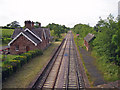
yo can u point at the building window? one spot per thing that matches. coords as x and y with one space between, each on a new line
17 48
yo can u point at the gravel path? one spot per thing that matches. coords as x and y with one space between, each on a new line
95 74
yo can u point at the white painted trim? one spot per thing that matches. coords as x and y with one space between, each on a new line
44 33
23 35
30 39
14 39
33 34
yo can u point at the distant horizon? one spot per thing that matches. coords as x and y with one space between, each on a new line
58 23
63 12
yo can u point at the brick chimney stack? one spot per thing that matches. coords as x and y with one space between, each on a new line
32 24
28 24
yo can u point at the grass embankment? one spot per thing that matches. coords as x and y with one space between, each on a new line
26 74
6 36
7 32
109 70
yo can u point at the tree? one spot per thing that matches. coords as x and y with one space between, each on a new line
13 24
82 29
107 40
58 29
36 24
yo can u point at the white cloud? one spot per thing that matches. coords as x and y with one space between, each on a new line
68 12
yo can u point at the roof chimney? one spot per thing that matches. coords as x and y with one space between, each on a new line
28 24
32 24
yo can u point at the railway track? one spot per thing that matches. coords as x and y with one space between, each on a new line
63 70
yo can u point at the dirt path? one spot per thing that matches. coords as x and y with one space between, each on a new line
95 74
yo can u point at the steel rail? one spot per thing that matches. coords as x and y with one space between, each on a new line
59 65
45 72
78 72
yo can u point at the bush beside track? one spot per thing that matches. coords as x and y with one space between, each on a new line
12 66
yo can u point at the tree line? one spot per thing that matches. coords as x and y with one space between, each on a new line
57 30
106 42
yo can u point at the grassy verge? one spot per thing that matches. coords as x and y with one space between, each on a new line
26 74
6 32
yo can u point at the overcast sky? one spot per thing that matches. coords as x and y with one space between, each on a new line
64 12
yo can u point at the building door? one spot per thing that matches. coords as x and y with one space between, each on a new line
27 48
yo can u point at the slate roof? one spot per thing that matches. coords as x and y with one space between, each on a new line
35 37
89 37
16 32
47 31
36 31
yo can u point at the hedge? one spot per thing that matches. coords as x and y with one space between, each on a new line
11 66
6 71
23 59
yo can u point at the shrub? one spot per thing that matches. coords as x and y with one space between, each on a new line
6 40
28 56
7 69
23 59
11 66
57 39
15 64
32 54
38 52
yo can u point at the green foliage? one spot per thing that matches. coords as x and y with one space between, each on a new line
13 24
83 30
57 29
15 64
110 70
36 24
6 40
6 35
31 54
23 59
9 57
106 42
52 33
106 45
7 69
10 66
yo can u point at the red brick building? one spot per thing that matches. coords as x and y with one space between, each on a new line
87 40
30 38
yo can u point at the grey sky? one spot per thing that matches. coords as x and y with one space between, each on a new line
119 8
64 12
